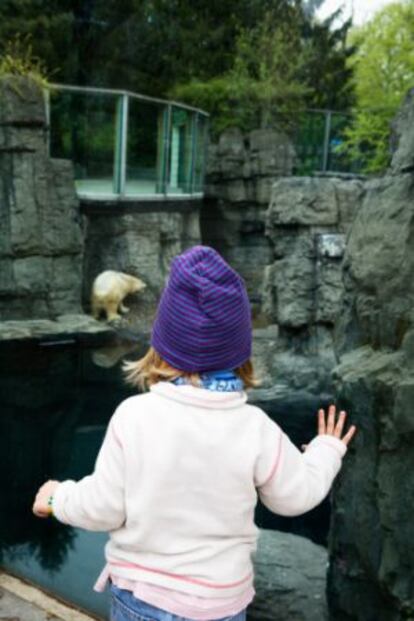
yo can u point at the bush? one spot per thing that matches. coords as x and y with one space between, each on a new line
17 59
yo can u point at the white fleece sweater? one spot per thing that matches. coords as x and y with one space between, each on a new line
176 484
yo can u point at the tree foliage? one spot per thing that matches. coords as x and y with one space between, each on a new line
383 66
287 61
327 69
250 62
145 45
262 87
17 59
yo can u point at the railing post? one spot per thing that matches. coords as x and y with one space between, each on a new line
205 153
121 141
167 134
326 140
194 138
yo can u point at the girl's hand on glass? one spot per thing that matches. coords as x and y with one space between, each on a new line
42 506
333 427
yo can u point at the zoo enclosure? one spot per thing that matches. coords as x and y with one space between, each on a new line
126 144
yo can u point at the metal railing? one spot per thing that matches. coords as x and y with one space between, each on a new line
318 142
127 145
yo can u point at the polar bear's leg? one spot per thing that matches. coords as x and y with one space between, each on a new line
111 307
123 309
96 308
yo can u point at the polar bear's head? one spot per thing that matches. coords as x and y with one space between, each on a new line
136 284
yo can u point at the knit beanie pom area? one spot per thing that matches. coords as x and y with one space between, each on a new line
203 321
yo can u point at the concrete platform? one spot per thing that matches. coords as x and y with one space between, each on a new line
20 601
65 328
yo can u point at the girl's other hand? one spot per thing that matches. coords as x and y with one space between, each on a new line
332 427
41 506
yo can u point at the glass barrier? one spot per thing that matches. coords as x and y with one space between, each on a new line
83 129
145 159
126 144
180 156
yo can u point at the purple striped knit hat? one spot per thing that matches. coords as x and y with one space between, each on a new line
203 321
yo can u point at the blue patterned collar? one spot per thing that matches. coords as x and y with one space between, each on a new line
220 381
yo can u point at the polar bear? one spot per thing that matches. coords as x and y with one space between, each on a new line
109 290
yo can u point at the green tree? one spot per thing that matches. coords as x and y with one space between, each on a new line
46 23
262 87
143 45
327 68
383 66
251 58
285 62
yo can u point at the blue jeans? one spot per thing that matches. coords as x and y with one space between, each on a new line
126 607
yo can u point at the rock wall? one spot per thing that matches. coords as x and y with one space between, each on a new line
306 224
240 173
286 236
371 574
41 239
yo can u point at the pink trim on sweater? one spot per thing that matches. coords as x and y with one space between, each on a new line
276 462
177 577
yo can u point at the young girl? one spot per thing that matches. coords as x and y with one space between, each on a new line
179 472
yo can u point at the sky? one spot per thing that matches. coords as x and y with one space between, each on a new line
363 10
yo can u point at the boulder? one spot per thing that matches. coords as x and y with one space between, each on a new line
303 201
289 579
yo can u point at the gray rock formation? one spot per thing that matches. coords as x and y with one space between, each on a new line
290 579
41 241
306 223
240 173
66 328
371 575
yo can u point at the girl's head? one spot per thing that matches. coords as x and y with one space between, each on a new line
203 322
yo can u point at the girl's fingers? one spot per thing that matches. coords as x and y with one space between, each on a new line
321 422
340 424
349 434
331 420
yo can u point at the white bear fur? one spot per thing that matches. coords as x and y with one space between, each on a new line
109 290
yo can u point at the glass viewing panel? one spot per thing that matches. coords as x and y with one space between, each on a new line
83 129
180 157
145 161
125 144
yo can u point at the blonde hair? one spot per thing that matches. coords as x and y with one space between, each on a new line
152 368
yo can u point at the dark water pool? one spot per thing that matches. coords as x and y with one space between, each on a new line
55 405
